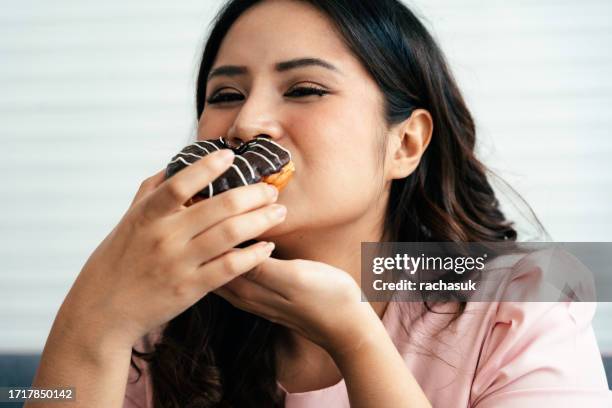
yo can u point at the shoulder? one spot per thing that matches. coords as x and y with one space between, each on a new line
543 273
515 353
541 351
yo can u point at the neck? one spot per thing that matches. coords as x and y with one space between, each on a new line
339 247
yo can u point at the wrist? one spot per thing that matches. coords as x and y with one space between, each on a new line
88 338
364 330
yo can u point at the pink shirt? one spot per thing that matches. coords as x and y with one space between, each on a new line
498 354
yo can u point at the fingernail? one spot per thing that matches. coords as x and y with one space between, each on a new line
271 191
279 210
265 246
269 247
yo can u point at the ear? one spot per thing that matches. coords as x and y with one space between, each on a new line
407 144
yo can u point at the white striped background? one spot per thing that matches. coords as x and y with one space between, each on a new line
96 96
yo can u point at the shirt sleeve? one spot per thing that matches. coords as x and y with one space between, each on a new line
136 390
540 354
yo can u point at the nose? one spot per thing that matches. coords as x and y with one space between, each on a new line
257 117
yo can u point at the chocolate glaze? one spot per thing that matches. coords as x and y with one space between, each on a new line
254 160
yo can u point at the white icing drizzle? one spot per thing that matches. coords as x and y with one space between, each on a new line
276 144
240 174
200 147
190 154
262 156
248 165
210 143
280 162
181 160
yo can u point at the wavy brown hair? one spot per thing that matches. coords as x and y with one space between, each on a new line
215 355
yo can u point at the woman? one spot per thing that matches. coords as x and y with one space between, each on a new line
383 146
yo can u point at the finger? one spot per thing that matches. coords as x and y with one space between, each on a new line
258 309
175 191
228 266
253 292
206 213
231 232
231 297
149 185
277 275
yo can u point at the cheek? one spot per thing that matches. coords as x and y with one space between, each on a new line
213 124
337 141
339 177
343 125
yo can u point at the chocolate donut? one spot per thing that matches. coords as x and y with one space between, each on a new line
260 159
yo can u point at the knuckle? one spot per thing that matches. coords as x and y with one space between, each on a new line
231 264
161 244
181 290
177 191
139 217
146 183
231 231
232 202
143 185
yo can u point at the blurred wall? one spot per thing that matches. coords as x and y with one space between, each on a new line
97 96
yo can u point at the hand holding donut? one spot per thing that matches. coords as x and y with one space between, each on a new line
163 256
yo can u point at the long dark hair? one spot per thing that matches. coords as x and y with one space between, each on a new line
214 355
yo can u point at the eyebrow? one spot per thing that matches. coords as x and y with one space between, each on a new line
236 70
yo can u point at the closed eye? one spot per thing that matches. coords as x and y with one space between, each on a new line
306 91
221 97
298 92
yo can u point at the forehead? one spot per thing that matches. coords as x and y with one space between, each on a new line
278 30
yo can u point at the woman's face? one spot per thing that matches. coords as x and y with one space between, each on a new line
294 79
